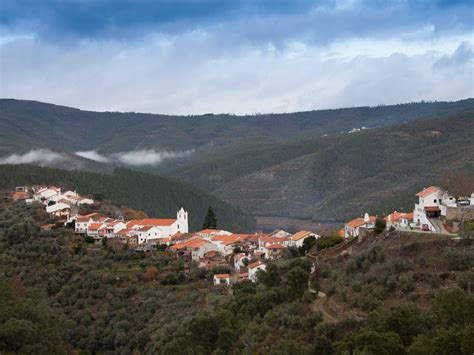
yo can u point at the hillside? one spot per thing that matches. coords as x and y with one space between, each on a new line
296 165
342 175
28 125
155 195
394 294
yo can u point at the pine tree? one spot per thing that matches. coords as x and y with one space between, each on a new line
210 222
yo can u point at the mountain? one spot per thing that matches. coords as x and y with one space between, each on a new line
341 175
300 165
28 125
155 195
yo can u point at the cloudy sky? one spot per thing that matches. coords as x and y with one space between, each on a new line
247 56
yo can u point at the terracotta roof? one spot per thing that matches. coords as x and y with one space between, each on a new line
195 243
255 264
258 252
123 231
94 226
409 216
432 209
132 223
222 276
341 232
19 195
357 222
428 191
395 216
229 239
300 235
157 222
210 231
275 246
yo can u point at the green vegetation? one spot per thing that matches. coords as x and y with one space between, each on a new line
155 195
394 295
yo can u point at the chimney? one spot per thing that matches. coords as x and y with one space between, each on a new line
366 218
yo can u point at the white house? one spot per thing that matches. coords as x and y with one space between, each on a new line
211 233
46 192
239 260
428 206
253 269
298 238
221 279
351 228
198 247
147 233
59 209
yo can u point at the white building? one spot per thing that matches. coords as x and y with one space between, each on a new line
221 279
351 229
253 269
298 238
428 206
59 209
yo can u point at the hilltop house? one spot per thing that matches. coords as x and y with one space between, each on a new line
221 279
197 247
351 228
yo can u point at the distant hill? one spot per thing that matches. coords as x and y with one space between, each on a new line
155 195
302 165
28 125
341 175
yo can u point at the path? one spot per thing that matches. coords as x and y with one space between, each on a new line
321 305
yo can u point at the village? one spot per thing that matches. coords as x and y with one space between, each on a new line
244 255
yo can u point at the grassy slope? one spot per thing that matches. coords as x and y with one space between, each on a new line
155 195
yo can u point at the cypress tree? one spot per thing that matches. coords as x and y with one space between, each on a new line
210 222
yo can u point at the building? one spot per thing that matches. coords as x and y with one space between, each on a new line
222 279
274 251
429 200
59 209
298 238
210 233
351 229
196 247
254 268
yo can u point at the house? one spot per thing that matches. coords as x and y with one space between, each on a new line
19 195
428 206
274 251
263 241
211 259
222 279
254 268
227 243
240 260
351 228
59 209
46 192
83 201
164 227
298 238
197 247
147 233
210 233
280 233
93 229
405 221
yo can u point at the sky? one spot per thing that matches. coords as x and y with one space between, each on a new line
229 56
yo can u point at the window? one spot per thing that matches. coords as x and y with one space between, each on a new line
434 200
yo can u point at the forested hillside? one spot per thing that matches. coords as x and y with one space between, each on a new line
155 195
341 175
395 294
301 165
31 125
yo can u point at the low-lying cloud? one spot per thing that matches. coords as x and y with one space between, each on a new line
36 156
149 156
93 155
135 157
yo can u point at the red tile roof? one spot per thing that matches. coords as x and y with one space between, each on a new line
432 209
222 276
428 191
94 226
357 222
195 243
229 239
157 222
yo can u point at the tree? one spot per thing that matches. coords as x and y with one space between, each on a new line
297 281
380 225
271 277
210 222
308 244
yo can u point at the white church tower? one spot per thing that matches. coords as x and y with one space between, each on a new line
182 217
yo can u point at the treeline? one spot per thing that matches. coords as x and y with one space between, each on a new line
155 195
